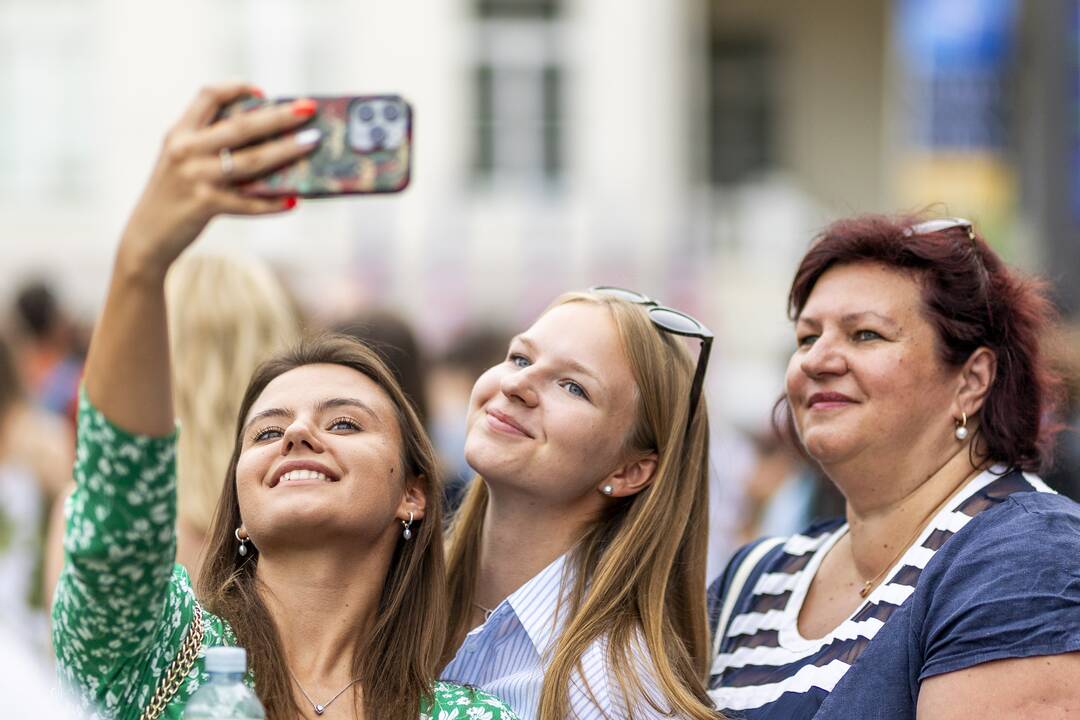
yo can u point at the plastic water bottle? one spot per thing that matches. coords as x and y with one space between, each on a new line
225 696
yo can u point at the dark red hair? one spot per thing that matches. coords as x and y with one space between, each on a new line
973 300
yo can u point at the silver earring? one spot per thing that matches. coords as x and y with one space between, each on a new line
407 534
242 551
607 489
961 431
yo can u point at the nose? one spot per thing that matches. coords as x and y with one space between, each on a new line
825 357
520 386
298 435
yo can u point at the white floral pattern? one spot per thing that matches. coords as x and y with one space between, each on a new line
122 606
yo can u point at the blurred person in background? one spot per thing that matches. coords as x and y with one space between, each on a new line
451 379
952 587
36 453
325 559
49 350
577 558
1065 474
389 335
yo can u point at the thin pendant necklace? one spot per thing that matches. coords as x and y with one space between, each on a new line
317 707
487 611
868 585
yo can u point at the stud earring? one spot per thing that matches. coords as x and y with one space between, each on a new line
961 431
407 534
242 551
607 490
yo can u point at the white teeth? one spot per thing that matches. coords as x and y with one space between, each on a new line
303 475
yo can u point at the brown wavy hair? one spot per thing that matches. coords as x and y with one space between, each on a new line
972 299
396 662
640 569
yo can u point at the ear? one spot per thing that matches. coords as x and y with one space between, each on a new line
414 499
976 378
632 478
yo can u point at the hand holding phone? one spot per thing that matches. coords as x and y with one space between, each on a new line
365 147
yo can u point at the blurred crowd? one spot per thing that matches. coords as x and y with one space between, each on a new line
228 313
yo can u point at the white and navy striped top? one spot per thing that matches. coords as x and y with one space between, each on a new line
766 669
507 655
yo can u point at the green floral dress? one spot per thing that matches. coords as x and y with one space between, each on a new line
123 607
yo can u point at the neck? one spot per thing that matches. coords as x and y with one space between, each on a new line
522 537
322 601
881 523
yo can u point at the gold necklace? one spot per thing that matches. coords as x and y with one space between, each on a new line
869 584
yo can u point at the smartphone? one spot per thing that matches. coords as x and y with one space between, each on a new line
366 147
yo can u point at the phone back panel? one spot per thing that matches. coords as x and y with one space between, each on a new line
365 148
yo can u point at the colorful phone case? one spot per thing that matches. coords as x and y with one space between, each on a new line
366 147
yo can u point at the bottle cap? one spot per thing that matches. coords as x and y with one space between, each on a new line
226 660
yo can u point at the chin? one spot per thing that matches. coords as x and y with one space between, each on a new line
827 448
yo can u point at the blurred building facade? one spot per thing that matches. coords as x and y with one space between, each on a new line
688 148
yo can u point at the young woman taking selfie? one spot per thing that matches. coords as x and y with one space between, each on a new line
325 558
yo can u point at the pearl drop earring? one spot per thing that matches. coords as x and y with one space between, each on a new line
961 431
242 551
407 534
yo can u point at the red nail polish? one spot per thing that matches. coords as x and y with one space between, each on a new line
257 93
289 202
304 108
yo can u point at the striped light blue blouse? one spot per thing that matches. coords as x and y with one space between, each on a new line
507 655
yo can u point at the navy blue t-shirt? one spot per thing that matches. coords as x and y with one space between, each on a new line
995 575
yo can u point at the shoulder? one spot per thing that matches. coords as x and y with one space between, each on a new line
469 703
1035 525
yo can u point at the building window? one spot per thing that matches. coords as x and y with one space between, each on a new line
742 109
518 86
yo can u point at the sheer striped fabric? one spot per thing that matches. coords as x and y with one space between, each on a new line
767 669
507 655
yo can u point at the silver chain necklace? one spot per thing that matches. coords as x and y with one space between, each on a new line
321 708
487 611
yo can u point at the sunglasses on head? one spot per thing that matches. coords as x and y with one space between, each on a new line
675 322
930 227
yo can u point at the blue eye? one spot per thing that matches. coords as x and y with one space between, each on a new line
806 340
519 360
867 335
574 389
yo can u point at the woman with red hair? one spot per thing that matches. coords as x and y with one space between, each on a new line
951 589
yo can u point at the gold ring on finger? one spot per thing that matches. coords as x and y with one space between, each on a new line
227 164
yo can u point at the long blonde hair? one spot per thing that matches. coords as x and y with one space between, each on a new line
226 315
396 661
641 567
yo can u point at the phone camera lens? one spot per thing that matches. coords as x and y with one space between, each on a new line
378 135
391 112
366 113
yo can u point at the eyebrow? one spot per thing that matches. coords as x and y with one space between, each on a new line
321 407
850 318
572 364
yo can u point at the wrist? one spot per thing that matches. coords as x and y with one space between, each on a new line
135 265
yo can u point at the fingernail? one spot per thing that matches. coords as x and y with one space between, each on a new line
304 108
289 202
257 92
309 136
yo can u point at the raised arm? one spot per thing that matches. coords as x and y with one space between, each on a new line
120 609
127 371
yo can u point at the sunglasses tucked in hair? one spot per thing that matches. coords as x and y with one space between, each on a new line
930 227
675 322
